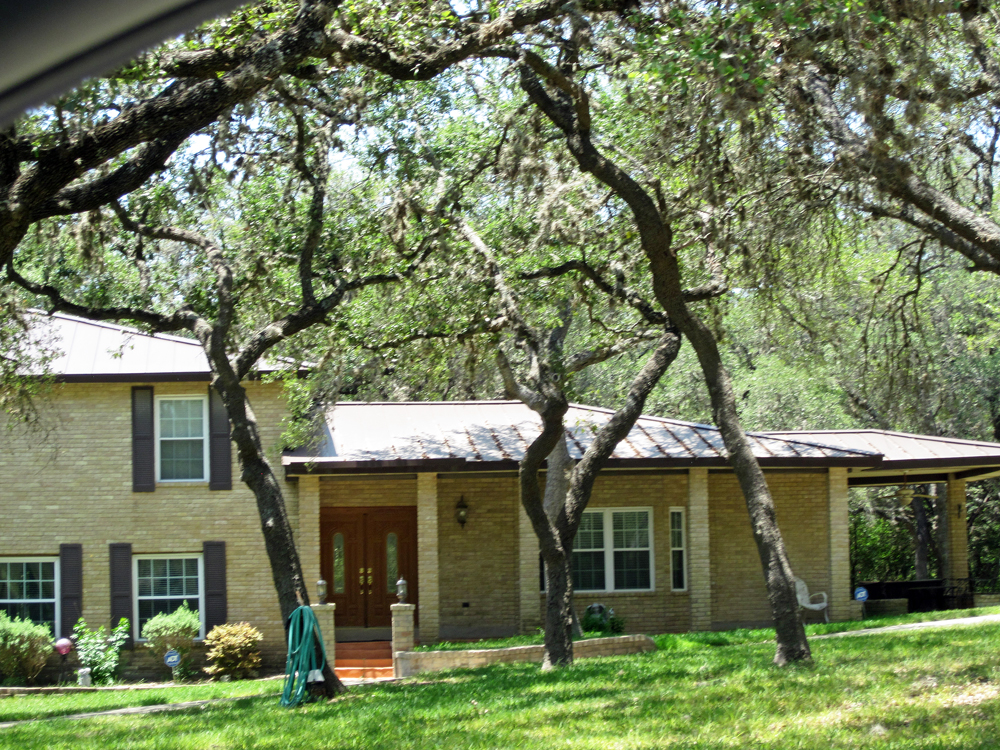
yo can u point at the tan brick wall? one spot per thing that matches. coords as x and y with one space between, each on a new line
699 560
74 485
428 558
801 504
661 610
479 563
957 535
841 605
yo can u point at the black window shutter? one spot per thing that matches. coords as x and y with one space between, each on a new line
121 585
143 453
214 562
220 451
70 587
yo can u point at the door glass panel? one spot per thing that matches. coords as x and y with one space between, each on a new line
392 561
339 577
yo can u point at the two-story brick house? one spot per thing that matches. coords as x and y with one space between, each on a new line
124 505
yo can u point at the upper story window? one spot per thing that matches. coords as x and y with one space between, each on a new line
28 588
181 439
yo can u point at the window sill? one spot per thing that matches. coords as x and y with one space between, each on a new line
183 483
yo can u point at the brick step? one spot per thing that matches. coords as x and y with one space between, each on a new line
363 673
365 650
362 663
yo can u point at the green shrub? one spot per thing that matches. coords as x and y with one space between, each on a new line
600 619
24 648
233 650
100 652
176 631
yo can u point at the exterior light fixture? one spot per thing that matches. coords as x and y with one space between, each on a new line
321 590
461 512
401 590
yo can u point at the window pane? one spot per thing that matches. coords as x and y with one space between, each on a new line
339 579
391 562
588 571
182 459
181 418
631 529
677 569
632 570
164 584
590 535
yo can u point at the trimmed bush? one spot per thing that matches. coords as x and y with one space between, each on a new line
98 651
176 631
24 648
600 619
233 650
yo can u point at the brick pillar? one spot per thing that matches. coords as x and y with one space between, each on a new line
402 632
699 563
428 573
957 535
307 539
325 617
529 574
841 604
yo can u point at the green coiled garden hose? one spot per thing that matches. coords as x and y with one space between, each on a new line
303 637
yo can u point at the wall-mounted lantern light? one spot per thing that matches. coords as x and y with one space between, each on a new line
461 512
401 590
321 590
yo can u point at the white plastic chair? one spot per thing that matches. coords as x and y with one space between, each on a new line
806 601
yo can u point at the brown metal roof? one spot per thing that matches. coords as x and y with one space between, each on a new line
909 457
494 434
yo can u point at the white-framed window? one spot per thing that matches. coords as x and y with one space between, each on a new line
613 550
29 589
181 438
678 550
163 582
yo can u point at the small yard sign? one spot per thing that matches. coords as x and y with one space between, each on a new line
861 594
171 658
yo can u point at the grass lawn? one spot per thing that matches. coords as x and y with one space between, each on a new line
920 689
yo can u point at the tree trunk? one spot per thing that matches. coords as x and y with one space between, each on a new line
558 610
256 472
921 539
656 239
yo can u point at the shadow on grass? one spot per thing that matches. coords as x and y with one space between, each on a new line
921 689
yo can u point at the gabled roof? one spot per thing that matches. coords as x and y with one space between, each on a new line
95 351
494 435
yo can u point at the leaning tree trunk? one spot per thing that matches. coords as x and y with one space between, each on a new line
569 110
558 609
256 473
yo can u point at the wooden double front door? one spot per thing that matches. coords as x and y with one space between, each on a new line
363 551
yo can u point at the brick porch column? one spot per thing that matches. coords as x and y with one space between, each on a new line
428 565
402 632
699 563
956 534
325 617
307 539
529 574
841 604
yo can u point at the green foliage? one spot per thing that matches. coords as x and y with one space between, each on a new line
175 631
233 650
880 550
99 651
600 619
24 649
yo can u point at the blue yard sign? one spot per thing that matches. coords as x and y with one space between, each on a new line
861 594
171 658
